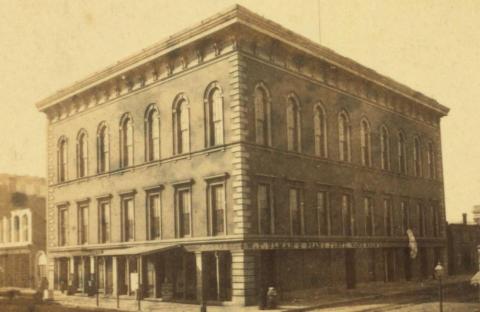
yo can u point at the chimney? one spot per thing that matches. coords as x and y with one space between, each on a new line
464 215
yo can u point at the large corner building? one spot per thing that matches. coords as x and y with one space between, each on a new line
238 155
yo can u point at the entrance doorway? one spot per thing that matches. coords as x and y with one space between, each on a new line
218 275
350 273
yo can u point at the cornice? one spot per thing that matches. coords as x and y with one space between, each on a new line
194 45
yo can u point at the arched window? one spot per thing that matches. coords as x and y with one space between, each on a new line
431 159
16 229
417 157
24 228
320 131
402 153
262 115
152 134
181 123
82 154
103 149
126 141
343 137
365 143
385 148
62 157
293 124
213 115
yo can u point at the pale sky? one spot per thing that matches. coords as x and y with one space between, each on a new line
432 46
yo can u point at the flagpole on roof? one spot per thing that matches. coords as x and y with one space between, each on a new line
319 11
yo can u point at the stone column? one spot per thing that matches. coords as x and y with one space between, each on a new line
200 277
243 277
71 272
115 276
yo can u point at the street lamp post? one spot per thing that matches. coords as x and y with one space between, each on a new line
439 271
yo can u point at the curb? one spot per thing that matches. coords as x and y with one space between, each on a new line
346 302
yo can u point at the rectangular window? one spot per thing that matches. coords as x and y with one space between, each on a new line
183 212
128 219
63 225
104 221
388 213
435 219
101 274
405 213
348 215
323 213
217 208
295 211
421 220
154 214
264 209
369 219
83 224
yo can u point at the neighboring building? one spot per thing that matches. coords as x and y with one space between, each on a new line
237 154
22 230
463 240
476 214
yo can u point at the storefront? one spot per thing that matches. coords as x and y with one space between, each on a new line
170 273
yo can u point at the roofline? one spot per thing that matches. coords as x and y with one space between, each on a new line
223 19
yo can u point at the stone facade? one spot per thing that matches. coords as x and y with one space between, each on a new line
256 67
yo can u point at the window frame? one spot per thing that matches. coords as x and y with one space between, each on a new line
388 217
327 214
417 157
127 150
62 159
269 187
405 215
344 137
300 198
365 143
385 148
369 214
185 186
150 145
104 200
296 128
125 222
178 131
402 153
63 215
82 154
149 194
265 121
211 211
320 139
431 161
212 138
103 148
350 209
82 235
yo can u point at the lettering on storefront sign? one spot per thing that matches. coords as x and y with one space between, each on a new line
310 245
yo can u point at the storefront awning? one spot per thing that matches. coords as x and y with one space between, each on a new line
475 280
139 250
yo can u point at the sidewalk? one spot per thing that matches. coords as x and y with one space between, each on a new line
296 301
335 297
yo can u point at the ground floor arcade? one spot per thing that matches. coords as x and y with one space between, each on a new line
235 275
